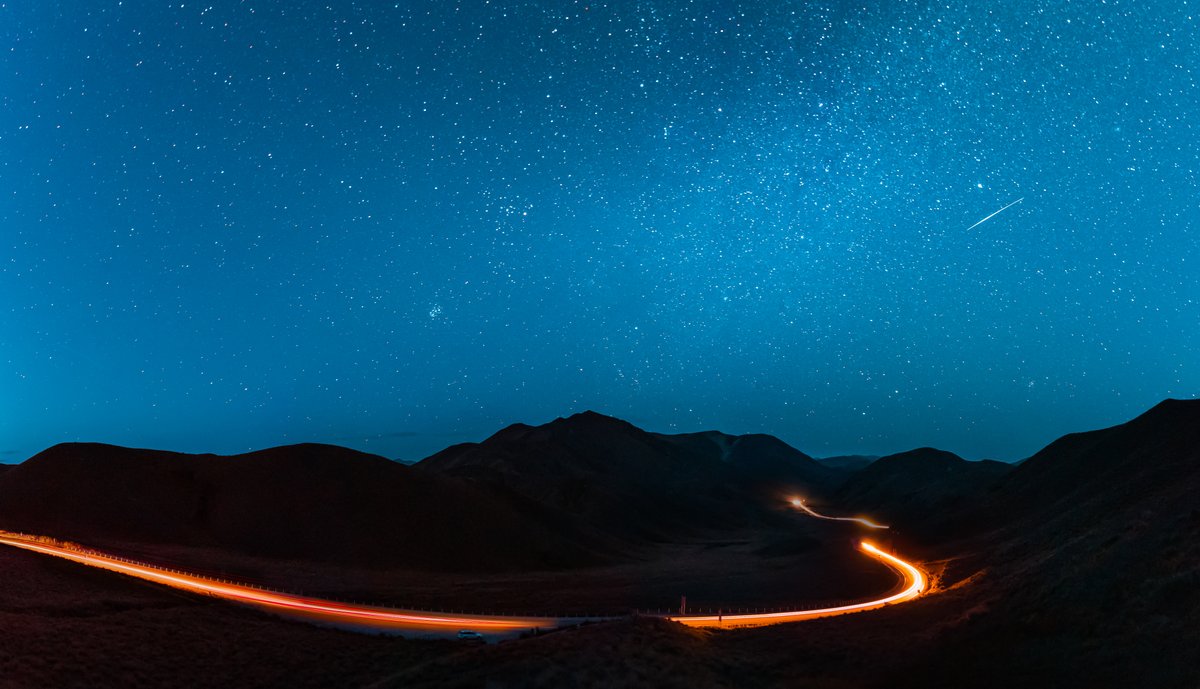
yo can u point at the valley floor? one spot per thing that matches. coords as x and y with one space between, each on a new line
811 565
63 625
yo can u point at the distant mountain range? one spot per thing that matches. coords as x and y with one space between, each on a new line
315 502
1079 566
627 483
924 489
573 492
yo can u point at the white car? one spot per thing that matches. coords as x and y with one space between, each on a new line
469 635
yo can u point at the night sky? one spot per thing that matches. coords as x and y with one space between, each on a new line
394 226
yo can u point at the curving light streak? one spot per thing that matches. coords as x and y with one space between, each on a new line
913 581
388 619
798 503
330 612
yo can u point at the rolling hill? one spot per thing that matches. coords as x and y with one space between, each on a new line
574 492
923 489
1088 558
628 483
315 502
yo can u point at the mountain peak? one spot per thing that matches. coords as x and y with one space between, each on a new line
920 487
1172 409
1162 441
591 414
622 480
592 418
590 422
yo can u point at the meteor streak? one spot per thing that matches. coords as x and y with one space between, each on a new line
994 214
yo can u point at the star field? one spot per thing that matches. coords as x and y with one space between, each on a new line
395 226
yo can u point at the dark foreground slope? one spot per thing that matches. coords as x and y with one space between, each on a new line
1084 572
1089 475
1091 573
70 627
313 502
623 481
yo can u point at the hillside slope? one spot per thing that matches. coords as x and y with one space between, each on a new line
315 502
923 488
623 481
1089 557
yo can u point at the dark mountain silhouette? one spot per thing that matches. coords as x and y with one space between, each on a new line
1089 563
573 492
315 502
755 458
923 489
1078 568
1108 469
848 462
1081 568
623 481
924 478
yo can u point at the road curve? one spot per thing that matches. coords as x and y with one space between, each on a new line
913 582
417 622
313 609
799 504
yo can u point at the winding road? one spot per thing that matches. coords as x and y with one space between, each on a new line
391 620
292 605
913 584
799 504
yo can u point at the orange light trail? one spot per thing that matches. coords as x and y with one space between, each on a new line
314 609
797 502
913 582
394 620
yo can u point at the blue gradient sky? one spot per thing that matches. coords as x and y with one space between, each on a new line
227 225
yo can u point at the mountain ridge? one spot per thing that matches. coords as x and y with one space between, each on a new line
575 491
308 501
628 482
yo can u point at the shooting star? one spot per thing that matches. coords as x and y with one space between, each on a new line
994 214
